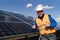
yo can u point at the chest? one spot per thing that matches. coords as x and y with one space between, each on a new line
43 21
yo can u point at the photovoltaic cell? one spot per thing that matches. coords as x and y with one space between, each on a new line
10 25
8 29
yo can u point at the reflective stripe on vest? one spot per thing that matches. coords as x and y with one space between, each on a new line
40 23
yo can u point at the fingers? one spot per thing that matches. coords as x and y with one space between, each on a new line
46 24
33 26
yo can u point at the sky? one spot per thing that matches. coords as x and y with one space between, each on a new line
27 7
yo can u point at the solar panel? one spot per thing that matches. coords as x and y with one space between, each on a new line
9 25
2 18
4 13
22 17
8 19
8 29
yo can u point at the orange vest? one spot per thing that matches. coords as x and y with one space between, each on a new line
40 23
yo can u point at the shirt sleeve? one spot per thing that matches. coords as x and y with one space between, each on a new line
53 23
34 23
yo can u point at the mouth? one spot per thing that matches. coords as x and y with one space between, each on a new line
39 14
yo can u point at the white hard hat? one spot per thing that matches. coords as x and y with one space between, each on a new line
38 8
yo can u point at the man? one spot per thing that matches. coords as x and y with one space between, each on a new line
45 24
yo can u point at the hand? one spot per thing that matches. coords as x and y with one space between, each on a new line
33 26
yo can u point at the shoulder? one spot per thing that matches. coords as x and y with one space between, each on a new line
36 18
48 15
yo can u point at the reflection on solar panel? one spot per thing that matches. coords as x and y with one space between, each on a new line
10 25
22 17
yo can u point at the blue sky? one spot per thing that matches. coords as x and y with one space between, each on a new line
19 6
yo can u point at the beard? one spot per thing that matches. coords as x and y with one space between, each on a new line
41 16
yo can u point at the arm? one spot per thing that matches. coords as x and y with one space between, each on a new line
34 25
53 23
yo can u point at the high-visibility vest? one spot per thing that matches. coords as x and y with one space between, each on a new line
42 28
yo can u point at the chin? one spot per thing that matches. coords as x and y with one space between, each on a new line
40 15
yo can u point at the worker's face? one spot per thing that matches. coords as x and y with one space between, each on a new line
40 13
